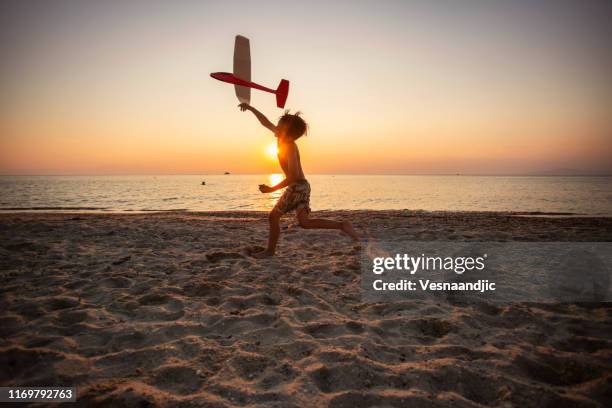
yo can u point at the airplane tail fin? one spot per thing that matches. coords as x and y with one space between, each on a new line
281 93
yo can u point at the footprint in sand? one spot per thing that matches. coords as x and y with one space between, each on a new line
154 299
253 249
177 379
203 289
248 366
220 255
72 317
61 302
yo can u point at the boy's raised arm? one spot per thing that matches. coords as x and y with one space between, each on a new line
260 116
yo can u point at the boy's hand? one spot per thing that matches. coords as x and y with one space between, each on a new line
244 106
265 189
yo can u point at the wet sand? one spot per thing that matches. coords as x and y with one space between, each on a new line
169 309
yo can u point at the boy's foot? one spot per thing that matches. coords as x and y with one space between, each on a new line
263 254
347 228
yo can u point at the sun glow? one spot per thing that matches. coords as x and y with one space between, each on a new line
275 178
272 150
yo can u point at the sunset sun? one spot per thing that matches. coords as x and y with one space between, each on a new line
272 150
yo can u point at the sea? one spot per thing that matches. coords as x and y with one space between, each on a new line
531 194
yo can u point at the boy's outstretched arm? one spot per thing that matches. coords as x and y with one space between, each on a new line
260 116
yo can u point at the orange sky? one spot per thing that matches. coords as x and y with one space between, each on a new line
401 88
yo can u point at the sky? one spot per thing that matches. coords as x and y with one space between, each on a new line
387 87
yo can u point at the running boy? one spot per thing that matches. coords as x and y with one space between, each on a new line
289 128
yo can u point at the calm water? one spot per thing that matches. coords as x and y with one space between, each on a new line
582 195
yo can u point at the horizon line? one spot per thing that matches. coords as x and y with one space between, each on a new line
527 174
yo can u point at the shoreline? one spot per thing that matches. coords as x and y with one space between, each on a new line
91 211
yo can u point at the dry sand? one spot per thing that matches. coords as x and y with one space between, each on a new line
168 309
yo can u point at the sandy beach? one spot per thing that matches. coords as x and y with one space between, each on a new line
169 310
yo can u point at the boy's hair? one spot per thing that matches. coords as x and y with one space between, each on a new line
296 126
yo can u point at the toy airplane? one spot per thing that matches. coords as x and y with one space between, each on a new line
241 78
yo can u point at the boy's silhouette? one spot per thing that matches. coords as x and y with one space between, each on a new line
289 128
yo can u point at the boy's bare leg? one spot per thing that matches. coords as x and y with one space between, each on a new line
319 223
274 222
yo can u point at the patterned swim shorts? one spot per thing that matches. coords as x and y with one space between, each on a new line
295 197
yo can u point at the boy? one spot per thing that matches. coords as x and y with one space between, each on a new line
297 195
